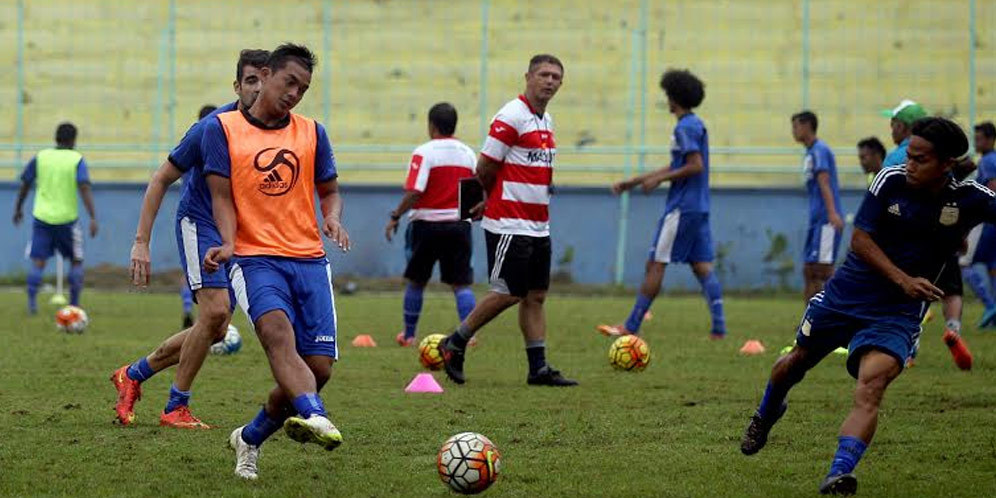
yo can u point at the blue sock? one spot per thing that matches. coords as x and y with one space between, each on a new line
75 283
188 299
849 451
771 402
536 354
177 398
34 282
639 310
465 302
309 404
261 428
140 370
713 293
412 308
978 285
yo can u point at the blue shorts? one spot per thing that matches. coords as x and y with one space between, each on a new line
981 242
682 238
822 330
46 239
301 288
193 239
822 244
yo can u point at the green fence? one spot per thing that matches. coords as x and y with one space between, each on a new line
132 74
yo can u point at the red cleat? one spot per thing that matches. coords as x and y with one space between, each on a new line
129 391
959 350
181 418
404 341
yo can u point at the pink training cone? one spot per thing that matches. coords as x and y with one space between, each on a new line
424 383
752 347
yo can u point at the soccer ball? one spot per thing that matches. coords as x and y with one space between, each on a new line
428 352
231 344
71 319
629 352
468 463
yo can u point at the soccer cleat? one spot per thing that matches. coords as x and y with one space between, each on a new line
547 376
959 350
246 456
717 336
452 361
315 429
404 341
840 484
756 435
181 418
988 319
613 330
129 391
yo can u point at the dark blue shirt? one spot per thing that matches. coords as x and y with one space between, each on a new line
917 230
689 194
820 159
195 201
987 168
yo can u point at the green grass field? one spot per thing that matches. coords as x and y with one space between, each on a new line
672 430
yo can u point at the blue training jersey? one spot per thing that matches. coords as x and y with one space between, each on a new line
919 233
820 159
195 201
987 168
689 194
898 155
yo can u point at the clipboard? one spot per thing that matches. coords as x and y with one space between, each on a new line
470 194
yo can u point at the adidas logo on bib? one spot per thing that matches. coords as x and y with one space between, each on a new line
894 209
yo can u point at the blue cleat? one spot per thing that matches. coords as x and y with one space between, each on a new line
988 319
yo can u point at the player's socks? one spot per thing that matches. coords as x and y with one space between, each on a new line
309 404
713 293
978 285
536 354
639 312
460 337
140 371
75 283
188 299
412 308
465 302
849 451
261 428
954 325
177 398
34 282
771 402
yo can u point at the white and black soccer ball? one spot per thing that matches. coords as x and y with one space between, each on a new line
468 463
231 344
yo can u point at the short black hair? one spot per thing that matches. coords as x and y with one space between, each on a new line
206 110
545 58
291 52
948 139
986 129
683 87
874 144
65 133
251 57
444 117
808 117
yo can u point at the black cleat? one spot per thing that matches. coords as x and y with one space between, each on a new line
840 484
756 435
188 321
547 376
452 361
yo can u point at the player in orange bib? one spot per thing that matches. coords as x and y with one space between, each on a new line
264 165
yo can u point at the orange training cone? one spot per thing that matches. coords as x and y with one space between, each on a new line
751 348
364 341
424 383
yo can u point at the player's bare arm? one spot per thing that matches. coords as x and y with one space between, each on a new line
141 266
487 173
823 179
649 181
22 194
224 216
915 287
331 202
407 201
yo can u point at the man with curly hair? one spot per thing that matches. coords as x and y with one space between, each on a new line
683 234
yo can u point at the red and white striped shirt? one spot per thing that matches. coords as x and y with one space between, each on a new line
523 142
435 171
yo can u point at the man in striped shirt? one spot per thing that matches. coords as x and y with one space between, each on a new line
516 169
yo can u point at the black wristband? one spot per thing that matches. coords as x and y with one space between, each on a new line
395 217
